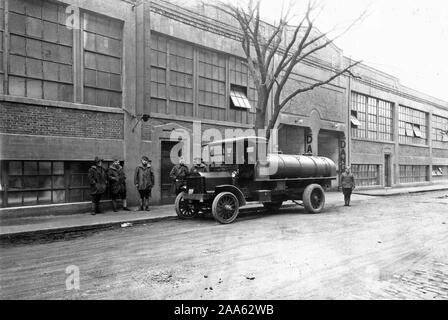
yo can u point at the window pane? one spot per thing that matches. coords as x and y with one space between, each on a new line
45 182
58 196
58 168
15 168
14 198
45 168
30 182
76 195
58 182
30 198
76 180
30 167
44 197
15 183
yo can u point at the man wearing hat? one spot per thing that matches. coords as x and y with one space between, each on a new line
144 181
98 182
117 183
347 184
178 174
199 166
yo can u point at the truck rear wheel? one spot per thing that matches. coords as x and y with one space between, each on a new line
272 206
225 207
313 198
184 210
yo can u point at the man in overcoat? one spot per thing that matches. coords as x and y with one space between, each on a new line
98 183
144 181
347 184
178 175
117 183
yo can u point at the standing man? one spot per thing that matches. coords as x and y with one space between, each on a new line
117 182
348 184
98 181
199 166
178 175
144 181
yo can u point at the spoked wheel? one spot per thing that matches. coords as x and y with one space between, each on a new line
225 207
313 198
272 206
184 210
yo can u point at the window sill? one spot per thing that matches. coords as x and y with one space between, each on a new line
58 104
375 141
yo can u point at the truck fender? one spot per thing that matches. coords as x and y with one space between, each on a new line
230 188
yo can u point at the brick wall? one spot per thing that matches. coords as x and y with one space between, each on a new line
50 121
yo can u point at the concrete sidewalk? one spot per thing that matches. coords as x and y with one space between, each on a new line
401 190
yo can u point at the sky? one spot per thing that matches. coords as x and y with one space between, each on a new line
405 38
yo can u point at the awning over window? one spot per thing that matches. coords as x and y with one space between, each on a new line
355 121
239 99
417 131
444 136
409 130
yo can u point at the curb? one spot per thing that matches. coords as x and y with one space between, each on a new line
398 193
82 228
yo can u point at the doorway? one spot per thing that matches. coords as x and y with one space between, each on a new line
166 165
387 176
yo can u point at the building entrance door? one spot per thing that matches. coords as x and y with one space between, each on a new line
387 180
166 165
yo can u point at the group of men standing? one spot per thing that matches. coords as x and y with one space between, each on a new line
115 178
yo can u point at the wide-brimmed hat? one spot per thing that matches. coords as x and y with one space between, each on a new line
145 158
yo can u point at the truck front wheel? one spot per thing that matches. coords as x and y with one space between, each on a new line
313 198
184 210
225 207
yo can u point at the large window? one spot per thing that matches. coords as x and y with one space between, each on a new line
102 39
42 50
2 31
40 57
371 118
34 182
158 73
366 174
211 84
413 173
181 78
26 183
439 132
182 74
412 126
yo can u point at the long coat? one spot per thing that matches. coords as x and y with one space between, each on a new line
117 179
178 175
98 179
347 181
143 178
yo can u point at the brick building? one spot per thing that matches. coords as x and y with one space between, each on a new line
68 94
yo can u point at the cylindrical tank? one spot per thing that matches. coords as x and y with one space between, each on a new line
283 166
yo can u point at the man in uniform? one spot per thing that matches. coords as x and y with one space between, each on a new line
199 166
144 181
177 175
348 184
98 182
117 182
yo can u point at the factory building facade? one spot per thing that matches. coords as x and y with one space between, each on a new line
78 76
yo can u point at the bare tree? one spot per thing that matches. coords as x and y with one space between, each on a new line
289 44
